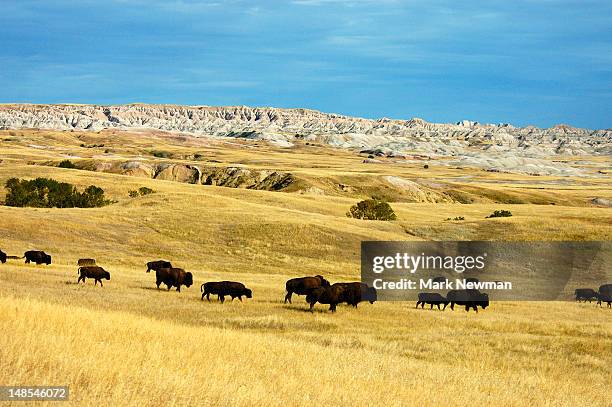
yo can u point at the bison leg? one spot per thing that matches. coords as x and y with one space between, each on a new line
208 296
288 297
27 261
158 283
178 288
452 306
101 285
81 278
312 304
222 298
240 298
431 304
417 304
332 307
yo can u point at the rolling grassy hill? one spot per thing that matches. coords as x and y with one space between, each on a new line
128 343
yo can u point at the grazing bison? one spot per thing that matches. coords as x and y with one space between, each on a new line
158 264
356 292
585 294
2 257
470 298
332 295
605 295
223 288
431 299
38 257
173 277
303 285
86 262
95 272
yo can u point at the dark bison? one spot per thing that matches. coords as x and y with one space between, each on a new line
158 264
332 295
95 272
431 299
173 277
2 257
470 298
223 288
585 294
356 292
36 256
86 262
605 295
303 285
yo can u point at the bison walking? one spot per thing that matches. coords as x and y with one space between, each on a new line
431 299
605 295
469 298
95 272
225 288
303 285
158 264
585 294
332 295
37 256
356 292
173 277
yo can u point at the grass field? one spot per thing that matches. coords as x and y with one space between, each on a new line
130 344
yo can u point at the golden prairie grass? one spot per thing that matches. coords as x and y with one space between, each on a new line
130 344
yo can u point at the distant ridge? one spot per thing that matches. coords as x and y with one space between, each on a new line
468 140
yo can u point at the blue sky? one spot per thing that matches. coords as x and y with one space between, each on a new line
539 62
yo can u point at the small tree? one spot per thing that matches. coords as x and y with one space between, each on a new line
372 209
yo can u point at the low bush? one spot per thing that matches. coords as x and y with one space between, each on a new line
372 209
66 164
49 193
142 191
500 214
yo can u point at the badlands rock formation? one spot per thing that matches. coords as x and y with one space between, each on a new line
494 147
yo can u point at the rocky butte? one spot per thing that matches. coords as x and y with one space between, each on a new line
500 147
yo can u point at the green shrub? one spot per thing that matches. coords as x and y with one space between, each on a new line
161 154
66 164
456 218
500 214
48 193
372 209
142 191
145 191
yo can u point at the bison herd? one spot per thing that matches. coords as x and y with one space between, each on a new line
316 288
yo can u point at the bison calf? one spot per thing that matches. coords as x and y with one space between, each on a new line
431 299
95 272
225 288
